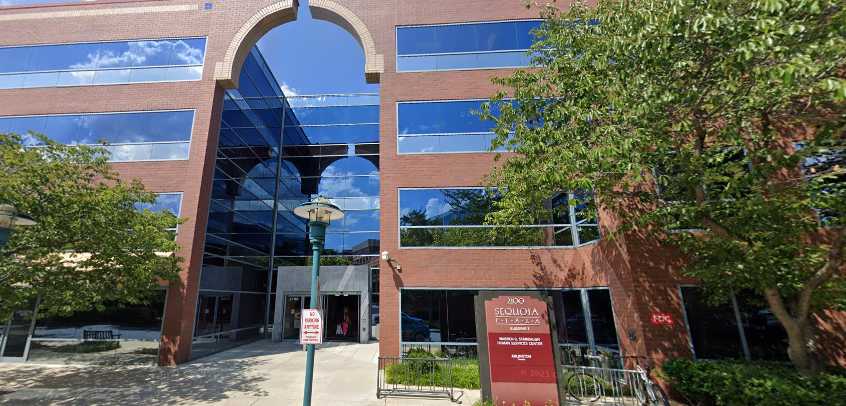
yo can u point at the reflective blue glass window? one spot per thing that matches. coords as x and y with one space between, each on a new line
171 202
332 119
355 133
102 63
498 44
443 126
456 218
148 135
336 115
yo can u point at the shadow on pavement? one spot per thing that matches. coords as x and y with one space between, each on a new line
198 382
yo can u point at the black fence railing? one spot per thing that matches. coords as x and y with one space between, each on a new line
420 377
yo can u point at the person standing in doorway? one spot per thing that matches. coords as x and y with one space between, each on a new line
345 323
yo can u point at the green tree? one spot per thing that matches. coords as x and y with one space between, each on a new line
682 115
91 243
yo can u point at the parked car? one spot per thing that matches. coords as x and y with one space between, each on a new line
414 329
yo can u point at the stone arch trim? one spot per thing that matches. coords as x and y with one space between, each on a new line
331 11
281 12
227 71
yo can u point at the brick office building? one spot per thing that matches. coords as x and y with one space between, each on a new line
433 61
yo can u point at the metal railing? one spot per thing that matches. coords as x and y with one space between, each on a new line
601 385
419 377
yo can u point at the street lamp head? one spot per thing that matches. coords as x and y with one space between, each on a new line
319 210
9 218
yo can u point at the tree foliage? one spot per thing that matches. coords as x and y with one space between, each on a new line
91 244
716 126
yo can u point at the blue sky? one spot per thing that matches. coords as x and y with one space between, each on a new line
310 56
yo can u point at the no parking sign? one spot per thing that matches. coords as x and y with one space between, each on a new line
311 331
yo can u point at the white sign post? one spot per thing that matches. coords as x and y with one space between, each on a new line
311 329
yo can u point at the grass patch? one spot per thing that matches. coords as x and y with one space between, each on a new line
85 347
147 351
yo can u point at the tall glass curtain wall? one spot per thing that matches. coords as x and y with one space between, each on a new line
278 152
127 136
332 149
126 333
446 318
456 218
484 45
102 63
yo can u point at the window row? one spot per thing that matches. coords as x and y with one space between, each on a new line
100 63
443 126
584 317
133 136
499 44
456 218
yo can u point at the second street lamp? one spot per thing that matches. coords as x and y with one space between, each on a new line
319 212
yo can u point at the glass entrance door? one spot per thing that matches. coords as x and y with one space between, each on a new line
14 340
294 305
341 317
293 314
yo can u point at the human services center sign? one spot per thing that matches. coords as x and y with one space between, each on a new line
518 354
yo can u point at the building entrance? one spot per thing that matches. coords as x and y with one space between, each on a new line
341 317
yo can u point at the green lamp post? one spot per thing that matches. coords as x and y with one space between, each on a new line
9 219
319 212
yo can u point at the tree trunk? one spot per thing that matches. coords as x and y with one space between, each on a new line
799 338
799 334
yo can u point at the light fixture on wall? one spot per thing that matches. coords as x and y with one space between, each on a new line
391 261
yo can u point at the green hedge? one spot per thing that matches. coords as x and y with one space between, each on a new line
739 383
416 370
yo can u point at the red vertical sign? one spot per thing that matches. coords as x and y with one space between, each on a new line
520 351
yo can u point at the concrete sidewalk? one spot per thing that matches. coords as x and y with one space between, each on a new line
261 373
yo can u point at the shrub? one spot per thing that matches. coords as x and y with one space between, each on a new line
747 383
419 368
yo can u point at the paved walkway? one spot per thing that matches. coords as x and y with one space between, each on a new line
262 373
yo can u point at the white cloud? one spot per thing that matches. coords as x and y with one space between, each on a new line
335 183
436 207
288 90
140 51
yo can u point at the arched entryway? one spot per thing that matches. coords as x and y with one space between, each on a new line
275 151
